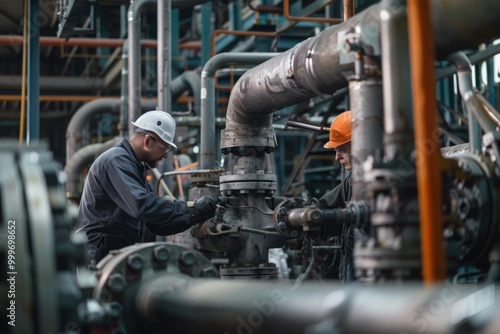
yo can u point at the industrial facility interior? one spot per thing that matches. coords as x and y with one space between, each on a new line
253 86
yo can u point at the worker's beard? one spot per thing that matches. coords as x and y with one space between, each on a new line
152 163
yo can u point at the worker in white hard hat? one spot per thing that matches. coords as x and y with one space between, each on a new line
118 205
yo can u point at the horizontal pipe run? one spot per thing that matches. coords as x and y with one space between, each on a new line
77 41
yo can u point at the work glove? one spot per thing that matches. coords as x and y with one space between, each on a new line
201 209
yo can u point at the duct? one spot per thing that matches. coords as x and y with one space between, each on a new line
207 152
81 159
86 112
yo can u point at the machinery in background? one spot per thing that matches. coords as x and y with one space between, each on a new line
161 286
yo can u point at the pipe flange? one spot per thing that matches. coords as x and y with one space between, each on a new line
280 217
258 181
264 271
247 136
202 179
121 272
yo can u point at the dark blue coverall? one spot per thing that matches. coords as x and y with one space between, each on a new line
118 204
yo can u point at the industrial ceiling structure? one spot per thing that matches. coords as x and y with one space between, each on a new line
253 86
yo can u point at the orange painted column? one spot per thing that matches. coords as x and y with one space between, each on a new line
422 54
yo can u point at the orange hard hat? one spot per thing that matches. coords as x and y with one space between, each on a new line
340 130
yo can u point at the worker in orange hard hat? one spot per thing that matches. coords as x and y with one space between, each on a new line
340 139
339 197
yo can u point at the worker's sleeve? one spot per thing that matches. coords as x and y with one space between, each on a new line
129 191
333 199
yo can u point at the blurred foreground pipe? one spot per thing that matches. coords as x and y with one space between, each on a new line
426 140
186 305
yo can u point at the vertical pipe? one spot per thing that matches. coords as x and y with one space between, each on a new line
23 86
367 111
398 124
207 131
33 72
426 141
134 62
490 68
206 32
164 55
124 108
474 132
348 9
474 129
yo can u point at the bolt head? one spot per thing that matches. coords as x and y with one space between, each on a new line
136 262
208 272
116 283
161 253
187 258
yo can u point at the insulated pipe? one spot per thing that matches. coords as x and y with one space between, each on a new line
207 131
398 122
134 60
312 67
85 113
81 159
426 140
367 111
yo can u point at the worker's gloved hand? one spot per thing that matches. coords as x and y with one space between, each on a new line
202 209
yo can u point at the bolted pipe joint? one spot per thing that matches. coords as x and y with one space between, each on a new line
259 137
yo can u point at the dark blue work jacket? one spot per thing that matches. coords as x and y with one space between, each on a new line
118 204
338 198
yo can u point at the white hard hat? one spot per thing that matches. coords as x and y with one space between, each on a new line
159 122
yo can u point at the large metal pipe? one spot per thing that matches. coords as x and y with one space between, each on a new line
207 152
312 67
232 306
366 102
398 121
